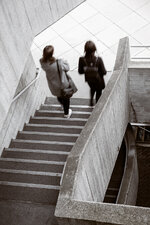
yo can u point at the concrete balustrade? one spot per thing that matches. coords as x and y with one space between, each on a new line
90 164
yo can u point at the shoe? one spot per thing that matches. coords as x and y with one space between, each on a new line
69 114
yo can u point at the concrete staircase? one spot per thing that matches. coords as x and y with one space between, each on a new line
31 168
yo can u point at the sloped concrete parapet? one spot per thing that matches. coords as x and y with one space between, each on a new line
100 213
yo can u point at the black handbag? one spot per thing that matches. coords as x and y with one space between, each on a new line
71 89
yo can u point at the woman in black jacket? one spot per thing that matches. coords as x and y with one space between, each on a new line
94 70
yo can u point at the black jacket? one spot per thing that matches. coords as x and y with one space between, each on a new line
101 68
99 63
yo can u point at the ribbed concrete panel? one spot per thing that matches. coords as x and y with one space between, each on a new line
39 14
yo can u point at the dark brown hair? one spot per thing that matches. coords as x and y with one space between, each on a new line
89 48
48 54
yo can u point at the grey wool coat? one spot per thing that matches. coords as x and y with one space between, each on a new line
52 75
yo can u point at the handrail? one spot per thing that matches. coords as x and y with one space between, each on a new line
32 82
140 46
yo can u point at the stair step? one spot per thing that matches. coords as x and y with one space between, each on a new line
143 144
54 113
35 144
34 165
60 121
35 177
53 128
29 192
81 108
35 154
73 101
112 191
47 136
110 198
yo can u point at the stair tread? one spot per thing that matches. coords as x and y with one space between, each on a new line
110 196
37 151
53 125
30 172
42 142
42 186
56 111
32 161
73 101
48 133
71 106
143 144
58 118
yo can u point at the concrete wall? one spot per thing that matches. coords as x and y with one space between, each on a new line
24 106
21 20
90 164
139 77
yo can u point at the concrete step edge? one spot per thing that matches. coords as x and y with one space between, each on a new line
110 196
28 185
146 145
71 106
57 118
58 112
28 172
36 151
53 125
32 161
42 142
49 133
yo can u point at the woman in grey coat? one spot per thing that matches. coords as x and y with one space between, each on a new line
50 65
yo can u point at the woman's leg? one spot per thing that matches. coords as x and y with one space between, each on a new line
65 102
98 94
92 92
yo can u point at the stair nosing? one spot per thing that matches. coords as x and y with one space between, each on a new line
146 145
30 185
71 106
58 118
54 125
110 196
42 142
32 161
30 172
48 133
55 111
37 151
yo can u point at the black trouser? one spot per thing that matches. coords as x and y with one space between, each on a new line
65 102
95 87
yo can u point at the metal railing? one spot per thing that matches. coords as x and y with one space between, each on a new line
140 46
28 86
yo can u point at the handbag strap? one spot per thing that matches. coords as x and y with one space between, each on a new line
58 69
59 72
94 64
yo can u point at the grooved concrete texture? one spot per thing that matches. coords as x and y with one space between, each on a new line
26 214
